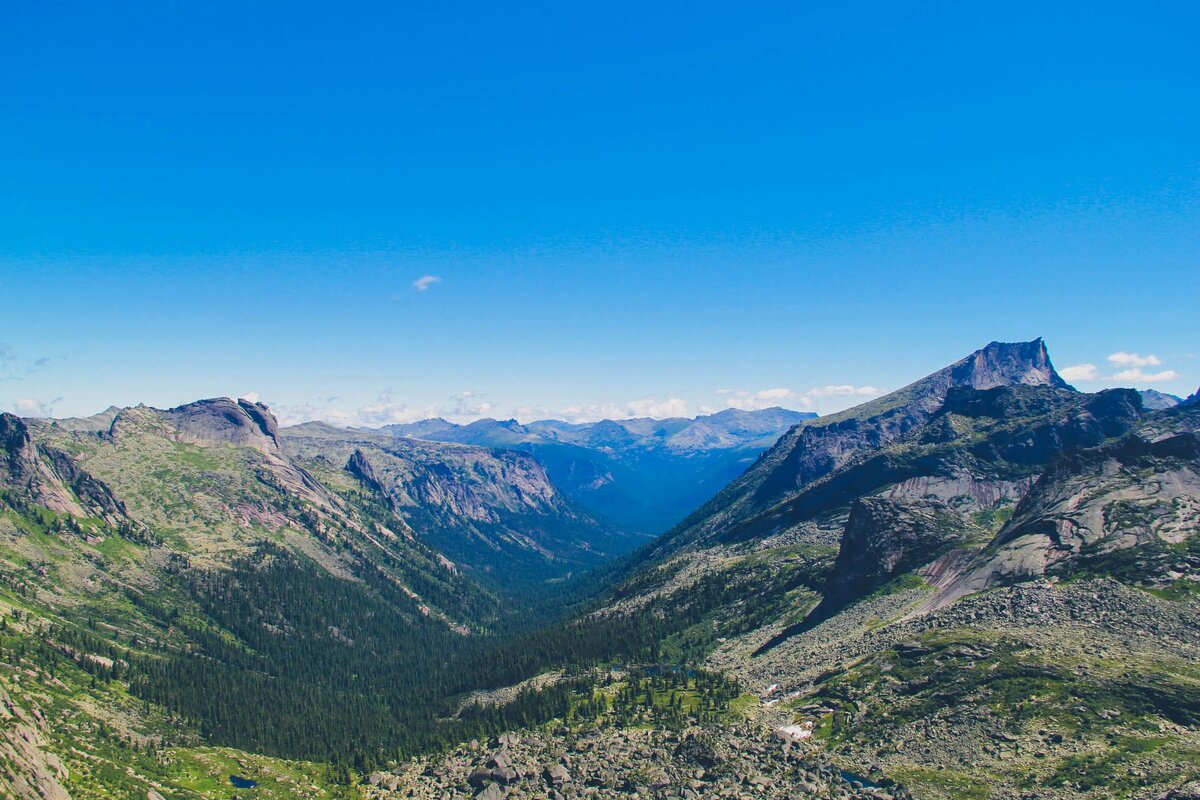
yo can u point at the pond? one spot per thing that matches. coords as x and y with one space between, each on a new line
242 783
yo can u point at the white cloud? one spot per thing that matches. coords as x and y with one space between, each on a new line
1123 359
652 407
252 397
766 398
468 404
1136 375
425 281
465 406
644 407
756 401
1078 372
29 407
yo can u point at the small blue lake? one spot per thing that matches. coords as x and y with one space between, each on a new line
242 783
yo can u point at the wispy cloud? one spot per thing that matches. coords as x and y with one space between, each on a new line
8 363
15 368
30 407
425 281
1079 372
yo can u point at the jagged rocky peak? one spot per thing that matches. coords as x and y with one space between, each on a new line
997 364
19 452
50 477
225 421
361 468
824 444
1007 363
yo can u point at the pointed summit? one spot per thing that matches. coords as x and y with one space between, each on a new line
1006 364
817 447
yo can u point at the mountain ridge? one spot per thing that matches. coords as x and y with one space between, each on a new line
815 448
642 473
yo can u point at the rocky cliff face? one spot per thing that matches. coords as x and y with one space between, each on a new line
224 421
1095 502
884 538
27 770
492 510
50 477
818 447
644 474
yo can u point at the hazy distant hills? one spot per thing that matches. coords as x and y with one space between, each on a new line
643 474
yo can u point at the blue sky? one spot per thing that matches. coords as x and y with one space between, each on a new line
627 207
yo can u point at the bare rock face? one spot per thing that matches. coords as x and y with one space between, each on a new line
18 467
1091 502
884 538
50 477
361 468
223 421
819 447
93 494
1006 364
488 509
27 770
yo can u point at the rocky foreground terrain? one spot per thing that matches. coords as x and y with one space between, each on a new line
740 760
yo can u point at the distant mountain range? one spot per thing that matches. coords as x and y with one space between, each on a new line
983 584
1155 400
643 474
214 477
494 510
